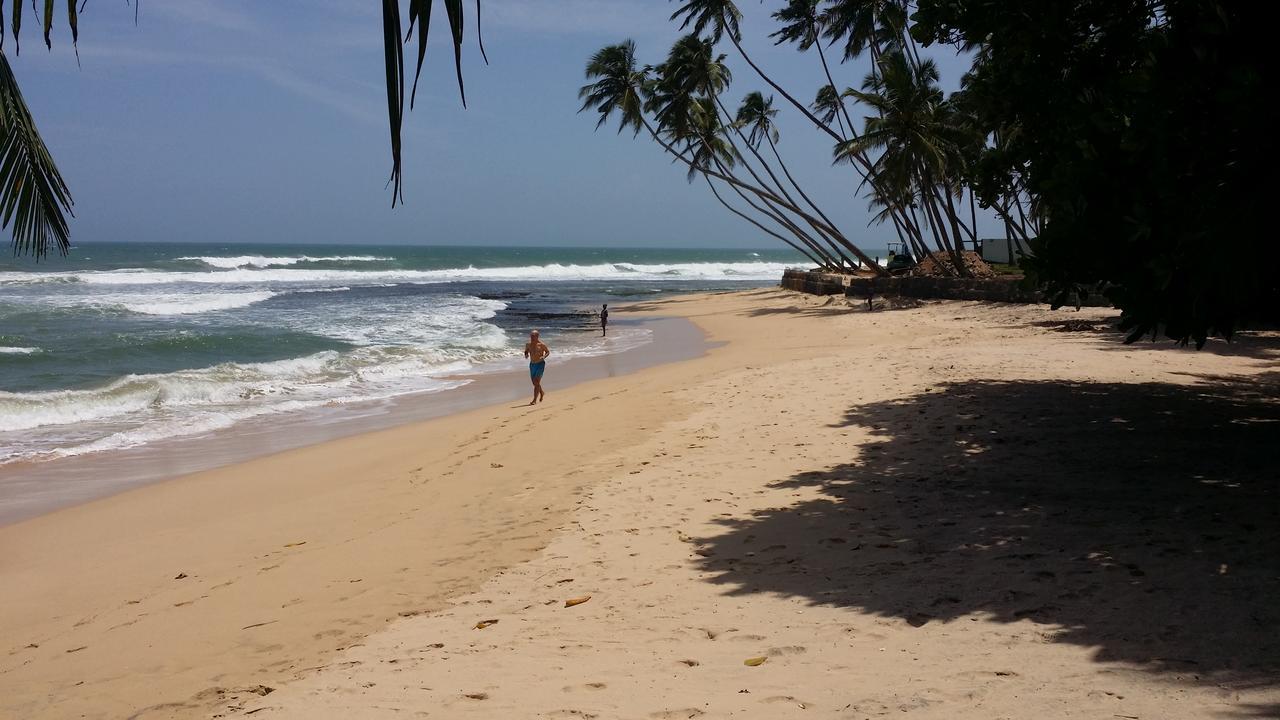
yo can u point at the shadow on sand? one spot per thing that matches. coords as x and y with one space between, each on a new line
1139 520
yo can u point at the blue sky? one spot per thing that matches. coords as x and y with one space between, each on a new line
264 121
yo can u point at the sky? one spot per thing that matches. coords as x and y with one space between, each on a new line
265 121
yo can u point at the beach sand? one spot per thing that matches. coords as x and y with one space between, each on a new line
955 510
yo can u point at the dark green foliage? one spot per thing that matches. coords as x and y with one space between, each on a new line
1142 130
33 197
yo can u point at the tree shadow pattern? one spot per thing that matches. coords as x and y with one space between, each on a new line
1139 520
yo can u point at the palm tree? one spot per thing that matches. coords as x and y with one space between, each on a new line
693 68
688 122
916 143
829 106
804 25
617 87
722 17
756 113
875 25
688 88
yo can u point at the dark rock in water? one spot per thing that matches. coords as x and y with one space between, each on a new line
532 315
504 295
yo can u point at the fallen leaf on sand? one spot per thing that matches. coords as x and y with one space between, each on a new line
576 601
476 696
179 576
302 542
752 662
485 623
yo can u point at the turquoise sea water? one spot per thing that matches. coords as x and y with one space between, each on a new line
123 344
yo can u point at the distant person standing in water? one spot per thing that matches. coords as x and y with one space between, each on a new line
604 320
537 352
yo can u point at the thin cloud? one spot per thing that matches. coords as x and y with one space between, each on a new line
353 105
222 15
589 17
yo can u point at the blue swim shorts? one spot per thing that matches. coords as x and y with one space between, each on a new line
536 369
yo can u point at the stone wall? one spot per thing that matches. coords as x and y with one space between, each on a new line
816 283
994 289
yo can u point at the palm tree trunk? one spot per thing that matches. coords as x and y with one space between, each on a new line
961 268
779 216
830 230
777 183
759 192
794 184
824 264
973 216
798 105
827 232
826 70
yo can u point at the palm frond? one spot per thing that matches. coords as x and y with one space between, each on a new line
419 18
33 196
394 55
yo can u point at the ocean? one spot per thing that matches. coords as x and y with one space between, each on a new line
124 344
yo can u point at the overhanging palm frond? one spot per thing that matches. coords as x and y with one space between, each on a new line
419 17
33 196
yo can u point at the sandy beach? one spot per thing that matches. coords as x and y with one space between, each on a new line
954 510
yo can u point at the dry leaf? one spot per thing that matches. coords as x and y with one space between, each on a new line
752 662
303 542
576 601
485 623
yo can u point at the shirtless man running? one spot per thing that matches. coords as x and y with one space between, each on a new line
537 352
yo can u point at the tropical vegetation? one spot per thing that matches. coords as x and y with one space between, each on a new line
1122 144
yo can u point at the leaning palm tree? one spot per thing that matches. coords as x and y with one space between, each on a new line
756 114
617 85
916 146
861 21
721 18
803 25
684 99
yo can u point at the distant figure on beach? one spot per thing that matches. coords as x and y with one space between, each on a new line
537 352
604 320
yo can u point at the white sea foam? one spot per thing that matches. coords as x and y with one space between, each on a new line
171 401
4 350
411 349
630 272
162 303
262 261
187 304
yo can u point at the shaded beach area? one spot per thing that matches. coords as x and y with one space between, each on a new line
951 510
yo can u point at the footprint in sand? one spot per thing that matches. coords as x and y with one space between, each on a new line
584 686
773 700
681 714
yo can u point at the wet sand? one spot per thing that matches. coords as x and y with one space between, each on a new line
35 488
